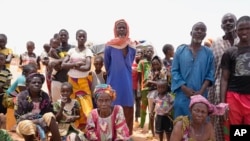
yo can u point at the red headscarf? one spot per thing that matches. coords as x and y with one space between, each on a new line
118 42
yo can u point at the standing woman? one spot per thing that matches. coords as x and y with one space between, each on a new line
118 58
33 110
78 61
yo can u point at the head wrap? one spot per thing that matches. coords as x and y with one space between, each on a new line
118 42
212 109
32 75
104 88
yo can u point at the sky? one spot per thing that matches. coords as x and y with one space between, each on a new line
157 21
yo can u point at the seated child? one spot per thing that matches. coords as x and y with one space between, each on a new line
106 122
67 111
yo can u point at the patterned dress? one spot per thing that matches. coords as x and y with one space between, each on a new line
112 128
68 110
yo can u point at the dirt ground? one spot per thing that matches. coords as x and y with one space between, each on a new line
137 134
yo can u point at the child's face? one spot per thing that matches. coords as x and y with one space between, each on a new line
149 52
54 43
104 102
46 48
33 70
81 38
156 65
139 54
2 60
171 52
161 88
30 48
98 63
2 42
66 91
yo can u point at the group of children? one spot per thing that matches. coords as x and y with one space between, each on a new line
151 83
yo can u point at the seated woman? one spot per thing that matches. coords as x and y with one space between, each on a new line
33 111
106 123
197 128
11 93
67 111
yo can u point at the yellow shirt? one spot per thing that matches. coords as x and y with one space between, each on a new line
6 52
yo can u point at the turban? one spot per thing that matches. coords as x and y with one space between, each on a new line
212 109
104 88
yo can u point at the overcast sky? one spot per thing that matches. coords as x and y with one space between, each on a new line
158 21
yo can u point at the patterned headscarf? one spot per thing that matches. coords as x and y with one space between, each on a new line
104 88
120 43
212 109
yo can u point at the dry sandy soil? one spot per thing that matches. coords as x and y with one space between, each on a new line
137 135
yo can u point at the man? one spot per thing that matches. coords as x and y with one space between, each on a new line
219 46
119 55
192 70
61 75
235 77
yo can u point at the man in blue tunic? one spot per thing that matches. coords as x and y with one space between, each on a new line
192 70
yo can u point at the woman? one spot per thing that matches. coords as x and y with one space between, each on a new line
78 61
119 55
11 93
33 111
106 122
197 127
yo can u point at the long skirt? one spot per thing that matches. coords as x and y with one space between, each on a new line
82 92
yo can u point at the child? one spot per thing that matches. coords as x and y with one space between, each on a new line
5 78
136 91
156 73
162 106
6 51
44 55
29 57
53 56
168 51
67 111
99 76
143 73
106 123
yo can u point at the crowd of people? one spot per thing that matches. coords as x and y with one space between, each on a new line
187 94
